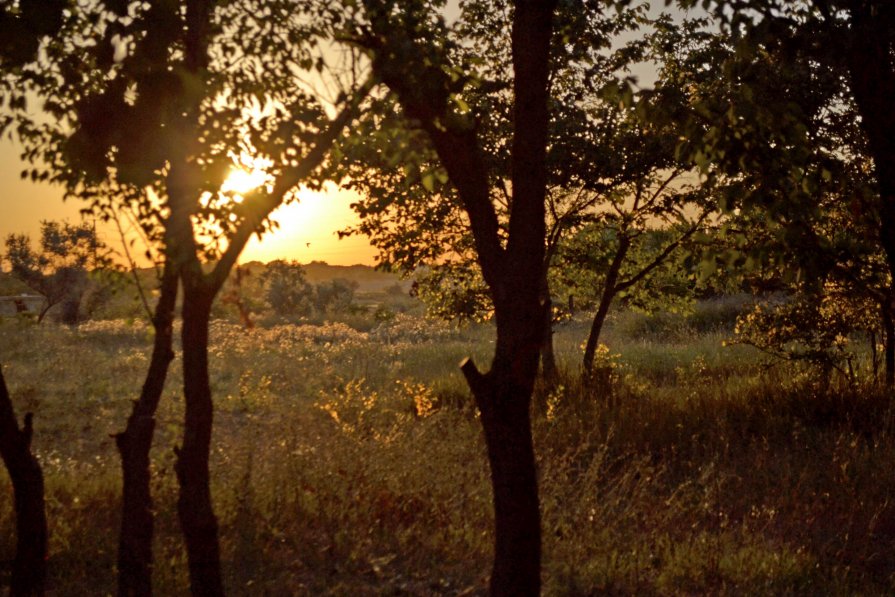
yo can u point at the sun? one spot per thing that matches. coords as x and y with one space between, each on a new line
242 181
247 174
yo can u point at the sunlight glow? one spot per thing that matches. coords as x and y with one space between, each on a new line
307 231
242 181
247 174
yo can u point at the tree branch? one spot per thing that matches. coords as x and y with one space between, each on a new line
661 257
259 208
132 264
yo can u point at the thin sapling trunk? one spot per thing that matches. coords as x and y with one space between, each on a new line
134 444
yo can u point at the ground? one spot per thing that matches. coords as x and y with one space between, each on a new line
352 463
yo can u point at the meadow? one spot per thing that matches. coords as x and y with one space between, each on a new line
351 462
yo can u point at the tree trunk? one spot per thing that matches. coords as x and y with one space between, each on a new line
889 328
503 396
513 271
29 570
134 443
609 291
593 338
194 507
69 311
872 81
549 370
43 312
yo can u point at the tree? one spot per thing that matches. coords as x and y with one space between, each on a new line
29 569
158 130
288 292
23 28
60 272
606 148
828 276
335 296
631 261
286 289
813 326
24 24
134 443
454 290
800 125
412 55
618 215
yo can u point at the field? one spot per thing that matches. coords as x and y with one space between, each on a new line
352 463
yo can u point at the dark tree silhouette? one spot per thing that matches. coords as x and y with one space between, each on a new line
134 444
417 72
841 43
146 117
29 569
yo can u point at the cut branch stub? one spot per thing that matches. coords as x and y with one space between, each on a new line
475 379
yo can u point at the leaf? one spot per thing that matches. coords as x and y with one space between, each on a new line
428 180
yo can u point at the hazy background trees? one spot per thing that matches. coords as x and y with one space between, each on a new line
288 292
69 265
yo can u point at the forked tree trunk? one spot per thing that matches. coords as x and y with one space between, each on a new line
513 270
29 570
134 444
194 507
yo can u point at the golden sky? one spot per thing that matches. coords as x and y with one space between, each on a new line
307 229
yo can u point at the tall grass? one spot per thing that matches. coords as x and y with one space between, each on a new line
352 463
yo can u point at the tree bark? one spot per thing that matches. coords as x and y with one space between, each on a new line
134 444
593 337
29 569
609 291
549 370
194 507
872 81
512 271
503 397
889 329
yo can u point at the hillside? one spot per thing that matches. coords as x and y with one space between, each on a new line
369 279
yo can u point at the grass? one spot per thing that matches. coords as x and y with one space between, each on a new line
350 463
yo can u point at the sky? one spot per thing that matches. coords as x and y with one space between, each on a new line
307 228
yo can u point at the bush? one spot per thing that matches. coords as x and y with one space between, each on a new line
287 290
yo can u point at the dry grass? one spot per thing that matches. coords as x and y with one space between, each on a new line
352 464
